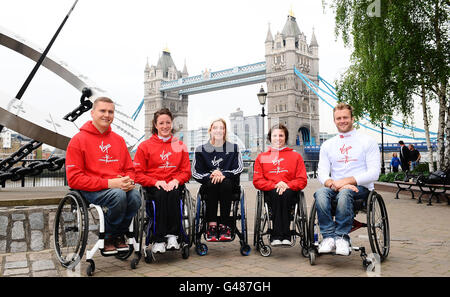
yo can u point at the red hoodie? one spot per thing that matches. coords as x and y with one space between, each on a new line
158 160
92 158
274 166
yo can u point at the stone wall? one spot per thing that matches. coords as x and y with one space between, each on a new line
30 229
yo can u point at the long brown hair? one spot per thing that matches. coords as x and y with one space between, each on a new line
162 111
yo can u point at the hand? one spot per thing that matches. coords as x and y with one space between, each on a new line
121 182
350 187
217 177
161 184
173 184
281 187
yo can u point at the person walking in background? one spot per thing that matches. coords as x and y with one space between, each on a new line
395 162
414 156
404 156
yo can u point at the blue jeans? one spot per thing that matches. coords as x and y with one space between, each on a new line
122 207
344 210
414 164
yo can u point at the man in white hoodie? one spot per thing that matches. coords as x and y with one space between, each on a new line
349 163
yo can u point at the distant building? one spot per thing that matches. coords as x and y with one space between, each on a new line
11 142
248 129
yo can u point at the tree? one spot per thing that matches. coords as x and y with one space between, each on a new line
399 50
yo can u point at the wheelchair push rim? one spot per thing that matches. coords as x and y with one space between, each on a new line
71 227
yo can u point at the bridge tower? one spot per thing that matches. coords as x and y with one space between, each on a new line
289 100
154 99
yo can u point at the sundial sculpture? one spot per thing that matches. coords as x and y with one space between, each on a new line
41 126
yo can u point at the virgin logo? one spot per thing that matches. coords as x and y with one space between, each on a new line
344 150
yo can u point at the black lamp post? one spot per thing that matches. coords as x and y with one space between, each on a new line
262 95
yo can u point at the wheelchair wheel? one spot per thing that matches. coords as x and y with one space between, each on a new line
200 226
314 236
378 225
245 248
71 227
301 223
261 227
188 219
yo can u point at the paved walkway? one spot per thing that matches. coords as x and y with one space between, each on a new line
420 246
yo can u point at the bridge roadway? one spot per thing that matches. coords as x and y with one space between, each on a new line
420 245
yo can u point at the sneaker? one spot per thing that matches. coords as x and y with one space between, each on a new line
276 242
327 245
172 243
286 242
159 247
211 233
342 247
225 232
120 244
109 246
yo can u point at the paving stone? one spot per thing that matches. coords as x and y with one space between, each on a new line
42 265
2 246
18 246
17 232
18 264
47 273
36 220
37 241
3 225
9 272
18 217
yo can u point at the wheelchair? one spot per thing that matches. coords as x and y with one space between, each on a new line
239 214
71 229
264 225
147 224
377 224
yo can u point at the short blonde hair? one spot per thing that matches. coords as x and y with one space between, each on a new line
224 125
342 106
102 99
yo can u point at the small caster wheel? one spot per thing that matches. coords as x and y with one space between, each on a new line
201 249
185 252
134 263
245 250
149 258
265 251
91 268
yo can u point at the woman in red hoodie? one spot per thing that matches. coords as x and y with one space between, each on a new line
279 172
162 166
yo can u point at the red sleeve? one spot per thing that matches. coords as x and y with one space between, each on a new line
75 171
140 167
184 173
300 180
259 181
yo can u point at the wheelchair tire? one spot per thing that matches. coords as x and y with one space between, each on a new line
302 224
201 249
265 251
257 221
378 225
244 229
71 227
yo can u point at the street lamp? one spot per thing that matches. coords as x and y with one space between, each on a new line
262 95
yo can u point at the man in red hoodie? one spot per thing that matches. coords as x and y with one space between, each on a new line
99 165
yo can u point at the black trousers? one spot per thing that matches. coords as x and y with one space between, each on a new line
215 193
167 212
281 206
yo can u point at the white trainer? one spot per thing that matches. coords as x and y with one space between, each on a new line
327 245
172 243
159 247
276 242
342 247
286 242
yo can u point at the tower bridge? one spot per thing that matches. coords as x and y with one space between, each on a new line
289 100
